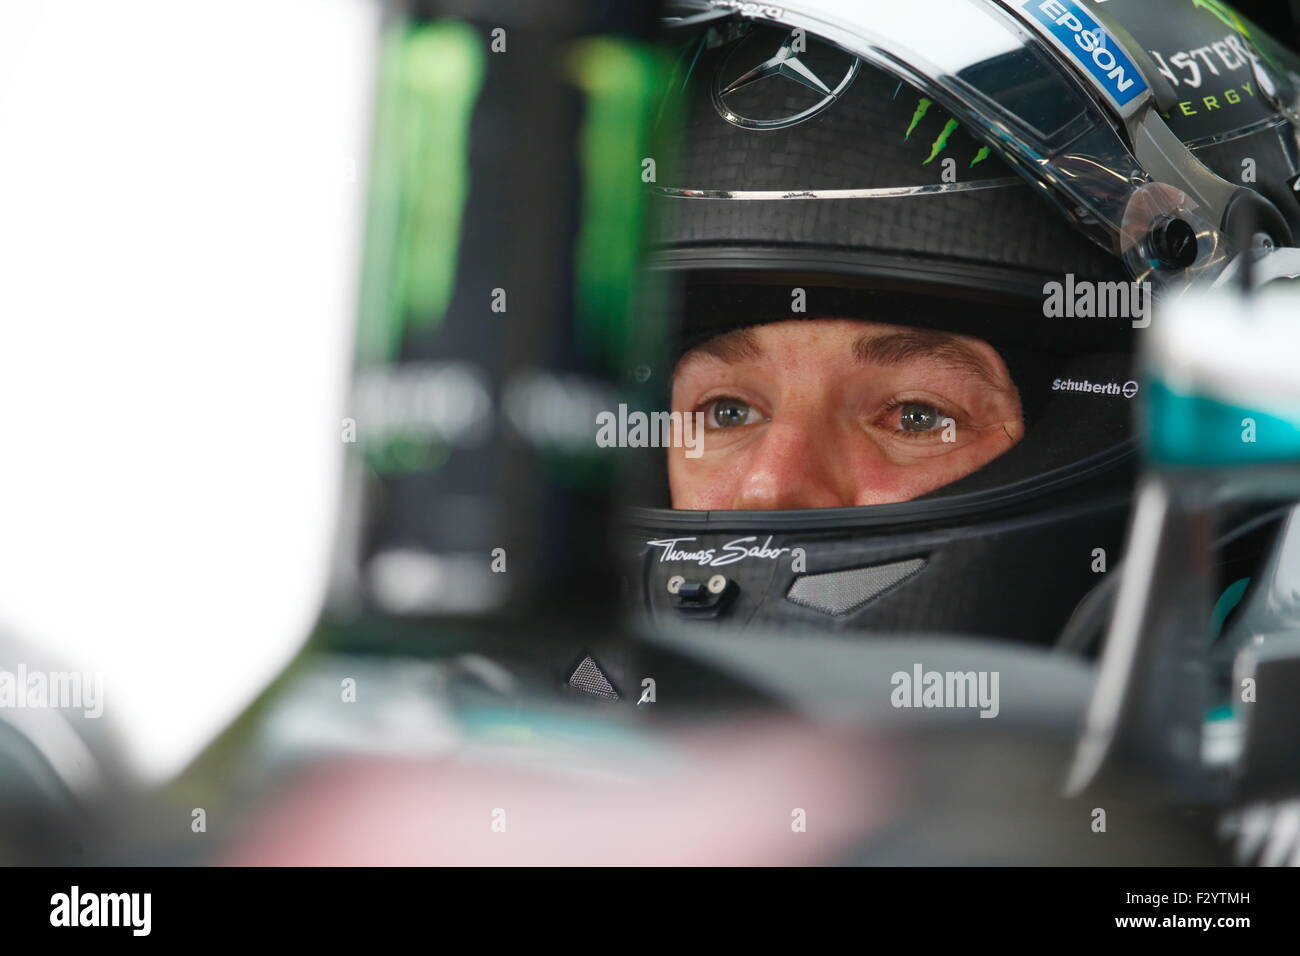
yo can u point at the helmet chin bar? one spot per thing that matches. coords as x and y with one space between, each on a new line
1090 135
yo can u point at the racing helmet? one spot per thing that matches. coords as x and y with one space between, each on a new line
1031 173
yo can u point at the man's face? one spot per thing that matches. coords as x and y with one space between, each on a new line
829 413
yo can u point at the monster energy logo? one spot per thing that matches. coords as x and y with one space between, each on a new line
410 416
1224 13
1232 19
940 144
430 78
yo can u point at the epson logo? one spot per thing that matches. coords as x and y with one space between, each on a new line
1089 44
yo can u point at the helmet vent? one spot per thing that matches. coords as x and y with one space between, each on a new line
839 592
590 679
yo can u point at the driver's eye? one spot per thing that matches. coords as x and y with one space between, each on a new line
918 417
730 413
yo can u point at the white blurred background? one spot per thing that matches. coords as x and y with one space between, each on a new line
181 195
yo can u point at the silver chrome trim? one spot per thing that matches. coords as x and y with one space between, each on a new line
1259 126
883 192
1122 657
1266 266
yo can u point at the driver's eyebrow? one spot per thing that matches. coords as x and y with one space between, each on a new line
731 348
898 348
872 348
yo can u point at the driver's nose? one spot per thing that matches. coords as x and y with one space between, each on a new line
796 464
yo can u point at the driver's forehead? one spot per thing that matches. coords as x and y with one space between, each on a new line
847 343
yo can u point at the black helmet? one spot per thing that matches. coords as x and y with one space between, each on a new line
1024 172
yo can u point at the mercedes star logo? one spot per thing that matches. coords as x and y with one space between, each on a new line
786 64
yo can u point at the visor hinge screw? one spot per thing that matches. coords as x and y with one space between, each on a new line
1173 242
